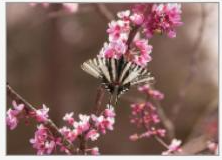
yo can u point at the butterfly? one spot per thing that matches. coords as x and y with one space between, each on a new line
117 75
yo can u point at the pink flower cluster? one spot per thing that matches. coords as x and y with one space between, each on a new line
69 7
41 115
144 115
13 115
44 142
118 35
161 18
88 127
173 147
152 93
153 18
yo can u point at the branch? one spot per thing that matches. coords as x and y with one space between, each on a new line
165 120
49 123
194 146
104 12
193 60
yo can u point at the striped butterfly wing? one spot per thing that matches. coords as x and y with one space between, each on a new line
115 73
103 69
133 74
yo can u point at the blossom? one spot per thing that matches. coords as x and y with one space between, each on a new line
70 134
118 30
145 114
163 19
45 4
42 114
118 35
137 18
12 115
18 107
42 141
173 147
212 146
68 118
124 14
95 151
103 123
11 120
83 125
134 137
71 7
140 54
109 111
155 94
92 134
114 49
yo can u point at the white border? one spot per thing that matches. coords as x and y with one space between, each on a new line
3 94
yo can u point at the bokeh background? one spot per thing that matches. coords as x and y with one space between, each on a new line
45 50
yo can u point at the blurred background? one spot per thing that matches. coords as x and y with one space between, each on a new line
46 46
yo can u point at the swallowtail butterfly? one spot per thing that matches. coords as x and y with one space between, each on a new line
117 75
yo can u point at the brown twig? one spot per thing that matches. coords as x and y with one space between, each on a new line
193 60
104 12
165 120
11 93
158 139
82 145
194 146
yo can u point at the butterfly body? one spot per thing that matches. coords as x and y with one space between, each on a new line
117 75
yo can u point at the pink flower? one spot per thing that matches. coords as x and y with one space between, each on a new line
103 123
42 141
212 146
11 120
137 18
124 14
95 151
118 35
145 114
12 115
42 114
118 30
141 53
134 137
45 4
71 7
151 92
141 7
173 147
113 49
161 132
83 125
92 134
71 135
163 19
69 118
109 111
18 107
